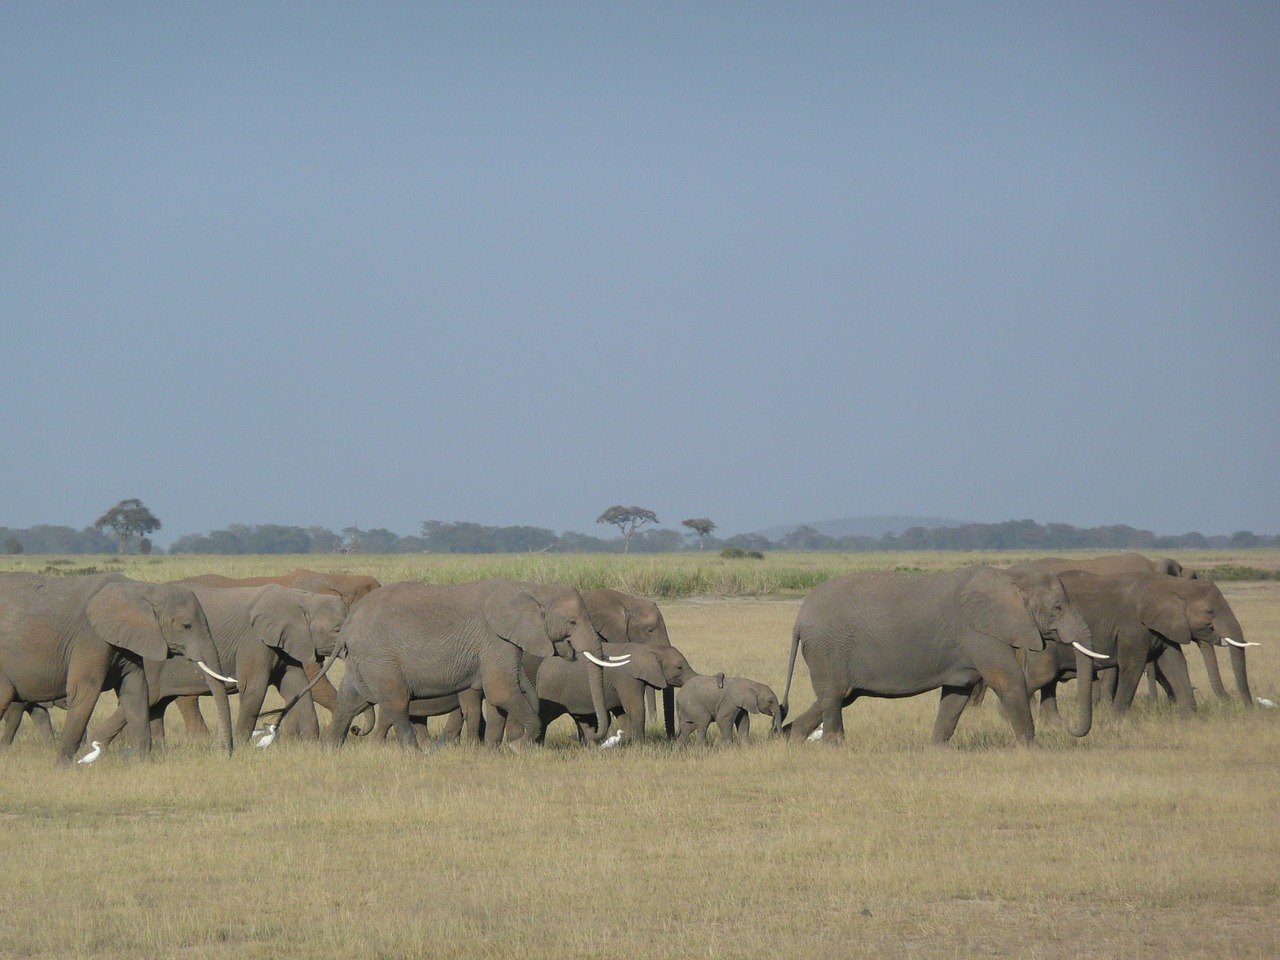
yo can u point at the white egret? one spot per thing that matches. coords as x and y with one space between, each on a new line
816 735
1269 704
93 754
613 740
269 737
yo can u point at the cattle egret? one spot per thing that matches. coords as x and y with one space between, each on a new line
612 741
1269 704
93 754
816 735
269 737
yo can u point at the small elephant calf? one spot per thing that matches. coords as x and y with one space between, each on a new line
729 701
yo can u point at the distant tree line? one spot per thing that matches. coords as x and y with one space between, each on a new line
437 536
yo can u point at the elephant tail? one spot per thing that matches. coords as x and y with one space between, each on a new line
791 666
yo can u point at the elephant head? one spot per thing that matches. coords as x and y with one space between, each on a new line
157 620
760 698
623 618
1032 610
302 625
551 620
350 587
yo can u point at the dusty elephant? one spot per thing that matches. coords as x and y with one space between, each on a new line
72 636
1137 618
1124 563
625 618
729 702
900 635
350 587
411 640
264 636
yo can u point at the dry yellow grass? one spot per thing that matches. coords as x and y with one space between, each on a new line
1157 837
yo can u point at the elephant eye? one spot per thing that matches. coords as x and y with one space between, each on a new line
186 626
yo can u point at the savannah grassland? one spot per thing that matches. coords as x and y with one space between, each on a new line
1155 837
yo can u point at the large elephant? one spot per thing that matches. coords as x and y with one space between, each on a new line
1137 618
264 637
625 618
411 640
563 688
1122 563
729 702
351 587
73 636
899 635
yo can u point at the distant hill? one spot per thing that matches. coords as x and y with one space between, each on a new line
862 526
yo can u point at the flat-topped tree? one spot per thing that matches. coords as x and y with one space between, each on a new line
701 526
128 518
627 519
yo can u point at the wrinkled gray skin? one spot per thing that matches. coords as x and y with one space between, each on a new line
412 640
563 688
1137 563
39 713
729 701
350 587
624 618
464 711
264 636
73 636
1137 618
900 635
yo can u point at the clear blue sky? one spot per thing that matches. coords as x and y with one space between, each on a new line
318 263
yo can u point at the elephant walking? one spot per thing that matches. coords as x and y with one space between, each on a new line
73 636
625 618
900 635
264 636
412 640
1138 618
729 701
1125 563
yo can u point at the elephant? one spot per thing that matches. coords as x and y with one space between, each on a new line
900 635
562 687
464 710
1136 563
264 636
624 618
729 701
1136 618
73 636
351 587
410 640
39 714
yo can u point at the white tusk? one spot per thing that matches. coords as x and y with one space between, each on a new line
1091 653
1240 643
216 676
621 661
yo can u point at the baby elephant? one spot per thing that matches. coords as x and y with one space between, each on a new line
729 701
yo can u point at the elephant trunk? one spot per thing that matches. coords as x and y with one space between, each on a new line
201 650
1084 691
1233 638
1210 658
585 640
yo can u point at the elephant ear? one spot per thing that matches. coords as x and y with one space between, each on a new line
609 615
644 666
280 622
992 603
123 616
514 614
1165 613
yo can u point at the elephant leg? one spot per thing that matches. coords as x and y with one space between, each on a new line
833 718
253 691
453 726
382 728
397 712
135 702
1001 672
471 704
951 704
1130 675
1173 665
350 702
39 714
293 683
495 724
84 686
1049 703
1104 686
1153 681
669 712
420 728
12 720
505 685
743 726
806 723
192 718
650 702
110 727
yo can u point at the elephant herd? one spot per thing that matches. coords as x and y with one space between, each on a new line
504 659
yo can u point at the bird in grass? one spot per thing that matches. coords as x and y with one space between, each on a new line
816 735
93 754
613 740
1264 702
269 737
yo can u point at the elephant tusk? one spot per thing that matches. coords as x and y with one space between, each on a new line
621 661
1240 643
1087 652
216 676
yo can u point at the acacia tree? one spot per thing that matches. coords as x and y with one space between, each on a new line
128 518
701 526
627 519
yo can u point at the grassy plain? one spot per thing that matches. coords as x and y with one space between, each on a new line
1155 837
